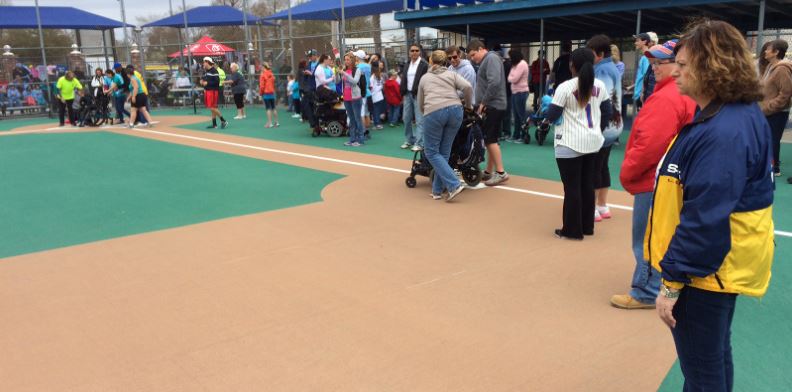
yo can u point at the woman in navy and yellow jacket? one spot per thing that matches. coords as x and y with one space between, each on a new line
710 231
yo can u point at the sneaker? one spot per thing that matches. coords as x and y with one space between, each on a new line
435 197
597 216
777 174
277 124
268 126
130 126
379 127
405 146
392 125
604 212
485 175
223 124
558 234
212 127
295 115
237 117
244 117
356 144
626 301
416 148
348 144
455 192
497 179
519 141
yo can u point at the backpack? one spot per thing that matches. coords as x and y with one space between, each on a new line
362 83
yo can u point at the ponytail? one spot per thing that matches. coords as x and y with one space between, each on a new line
583 64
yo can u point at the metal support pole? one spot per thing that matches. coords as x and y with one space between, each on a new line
247 44
44 60
760 29
542 56
418 29
126 33
467 35
406 30
104 49
638 31
343 30
189 55
291 41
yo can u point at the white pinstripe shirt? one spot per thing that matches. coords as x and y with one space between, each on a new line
580 128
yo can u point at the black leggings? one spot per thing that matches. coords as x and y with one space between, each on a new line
239 100
602 177
577 174
777 123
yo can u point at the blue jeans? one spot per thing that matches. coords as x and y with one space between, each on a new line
520 113
353 110
378 110
118 102
645 281
703 339
410 109
441 128
394 113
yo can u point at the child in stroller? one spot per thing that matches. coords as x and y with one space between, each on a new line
93 111
330 114
536 119
467 153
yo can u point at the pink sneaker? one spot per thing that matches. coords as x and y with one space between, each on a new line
604 212
597 217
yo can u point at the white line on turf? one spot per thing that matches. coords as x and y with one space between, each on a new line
353 163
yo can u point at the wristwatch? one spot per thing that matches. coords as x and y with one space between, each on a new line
666 292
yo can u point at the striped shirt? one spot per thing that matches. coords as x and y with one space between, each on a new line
580 130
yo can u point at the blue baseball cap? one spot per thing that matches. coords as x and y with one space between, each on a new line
116 65
662 52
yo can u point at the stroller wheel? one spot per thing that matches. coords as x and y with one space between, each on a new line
410 182
472 175
335 129
540 137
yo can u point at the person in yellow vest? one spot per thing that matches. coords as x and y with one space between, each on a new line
66 86
221 97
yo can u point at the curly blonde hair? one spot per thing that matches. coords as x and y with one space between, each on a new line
721 66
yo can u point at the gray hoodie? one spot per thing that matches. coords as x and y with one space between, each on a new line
439 89
490 84
466 71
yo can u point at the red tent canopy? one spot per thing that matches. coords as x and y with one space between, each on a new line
205 46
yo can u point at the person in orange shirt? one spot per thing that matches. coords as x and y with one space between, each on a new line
267 91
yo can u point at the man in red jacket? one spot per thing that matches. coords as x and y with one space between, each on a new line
663 115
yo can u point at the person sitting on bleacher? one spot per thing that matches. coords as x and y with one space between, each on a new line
38 95
3 100
14 97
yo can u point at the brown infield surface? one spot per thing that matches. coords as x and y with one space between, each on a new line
378 288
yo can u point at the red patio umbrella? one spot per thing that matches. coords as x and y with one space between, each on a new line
205 46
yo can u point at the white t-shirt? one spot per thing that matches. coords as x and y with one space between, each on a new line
376 85
411 71
580 130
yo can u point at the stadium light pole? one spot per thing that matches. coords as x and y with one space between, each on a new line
43 55
126 32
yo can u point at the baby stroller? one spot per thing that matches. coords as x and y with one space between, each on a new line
93 111
536 119
330 114
467 153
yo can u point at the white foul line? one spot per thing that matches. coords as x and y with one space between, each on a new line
353 163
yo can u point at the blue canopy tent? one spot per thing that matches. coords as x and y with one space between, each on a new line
14 17
221 15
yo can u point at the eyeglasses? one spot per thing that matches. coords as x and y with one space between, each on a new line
658 62
454 57
415 50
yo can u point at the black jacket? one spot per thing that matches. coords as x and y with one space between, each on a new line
423 67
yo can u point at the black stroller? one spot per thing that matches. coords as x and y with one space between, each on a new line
467 153
93 111
330 114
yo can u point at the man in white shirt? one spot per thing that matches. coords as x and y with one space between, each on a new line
411 76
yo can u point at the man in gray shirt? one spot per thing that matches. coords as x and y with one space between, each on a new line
490 94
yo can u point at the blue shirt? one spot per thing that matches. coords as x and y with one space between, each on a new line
640 73
366 68
607 72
